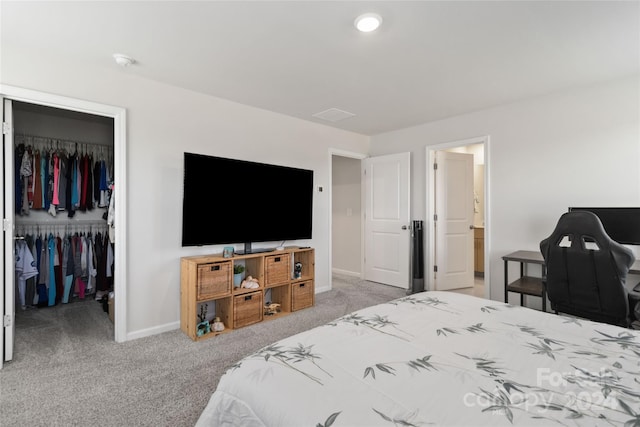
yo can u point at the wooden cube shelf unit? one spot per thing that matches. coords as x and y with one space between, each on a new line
208 280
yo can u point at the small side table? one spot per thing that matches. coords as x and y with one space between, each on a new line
525 285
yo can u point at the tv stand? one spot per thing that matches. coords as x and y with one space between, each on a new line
208 289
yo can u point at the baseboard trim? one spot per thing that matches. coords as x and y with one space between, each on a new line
153 331
322 289
346 272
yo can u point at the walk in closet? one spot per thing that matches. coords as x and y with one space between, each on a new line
64 213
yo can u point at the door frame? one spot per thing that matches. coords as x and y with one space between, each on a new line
7 295
118 114
430 151
352 155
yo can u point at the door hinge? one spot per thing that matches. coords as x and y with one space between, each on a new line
6 321
435 217
5 128
435 166
435 268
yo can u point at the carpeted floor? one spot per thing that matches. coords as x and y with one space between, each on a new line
68 371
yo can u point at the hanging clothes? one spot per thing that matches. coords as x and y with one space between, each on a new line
18 153
58 270
45 176
54 269
53 176
43 268
62 182
25 267
51 285
31 282
91 262
37 182
104 184
26 176
67 269
111 215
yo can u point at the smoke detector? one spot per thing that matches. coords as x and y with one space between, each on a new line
123 60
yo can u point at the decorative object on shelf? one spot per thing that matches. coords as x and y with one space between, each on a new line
297 270
227 252
250 283
203 326
271 308
238 269
218 326
203 312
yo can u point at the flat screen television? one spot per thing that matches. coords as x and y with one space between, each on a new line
229 201
621 224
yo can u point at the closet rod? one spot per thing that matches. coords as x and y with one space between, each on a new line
63 140
22 229
63 222
72 224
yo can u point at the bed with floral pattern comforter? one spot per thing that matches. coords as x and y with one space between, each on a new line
440 359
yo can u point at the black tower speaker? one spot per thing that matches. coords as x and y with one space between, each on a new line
417 257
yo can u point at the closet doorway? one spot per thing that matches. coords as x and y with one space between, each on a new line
346 214
94 132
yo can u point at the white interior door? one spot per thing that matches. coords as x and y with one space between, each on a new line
453 221
387 208
7 299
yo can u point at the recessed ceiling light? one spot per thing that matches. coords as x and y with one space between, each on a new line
368 22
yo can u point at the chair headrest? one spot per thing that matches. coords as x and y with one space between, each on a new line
584 228
578 225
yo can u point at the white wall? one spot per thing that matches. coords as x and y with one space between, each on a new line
575 148
163 122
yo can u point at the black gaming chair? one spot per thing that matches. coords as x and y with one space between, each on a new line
587 270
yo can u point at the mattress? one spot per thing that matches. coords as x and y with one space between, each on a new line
437 358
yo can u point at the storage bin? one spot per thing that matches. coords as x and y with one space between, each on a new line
302 294
247 309
214 280
277 269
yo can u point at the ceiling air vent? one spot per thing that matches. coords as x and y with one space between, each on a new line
333 115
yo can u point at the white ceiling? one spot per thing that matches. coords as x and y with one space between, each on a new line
429 59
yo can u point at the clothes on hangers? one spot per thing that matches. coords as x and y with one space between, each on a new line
111 217
57 179
52 269
26 269
54 176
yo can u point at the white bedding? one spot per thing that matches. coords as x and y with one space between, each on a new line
441 359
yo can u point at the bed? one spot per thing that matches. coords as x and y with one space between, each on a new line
440 359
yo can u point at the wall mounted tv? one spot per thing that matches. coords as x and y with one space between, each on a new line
621 224
229 201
